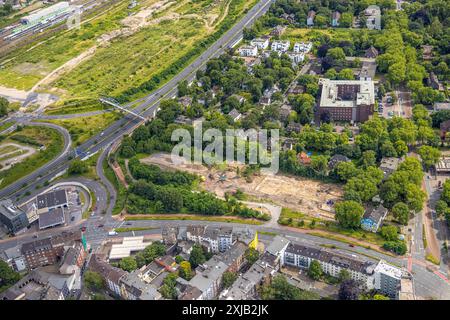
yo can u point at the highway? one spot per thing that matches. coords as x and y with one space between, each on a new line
147 107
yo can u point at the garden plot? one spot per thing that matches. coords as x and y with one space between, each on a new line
311 197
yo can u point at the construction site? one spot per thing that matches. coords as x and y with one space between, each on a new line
310 197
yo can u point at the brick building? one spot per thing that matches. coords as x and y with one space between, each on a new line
347 100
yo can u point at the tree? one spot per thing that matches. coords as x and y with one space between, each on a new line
168 289
4 104
315 270
319 163
186 270
8 276
349 213
281 289
380 297
441 207
197 256
400 211
346 74
429 155
251 255
229 278
128 264
398 247
77 167
389 233
94 281
344 275
349 290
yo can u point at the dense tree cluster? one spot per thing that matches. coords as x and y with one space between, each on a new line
8 276
281 289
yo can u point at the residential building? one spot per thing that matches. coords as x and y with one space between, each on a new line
191 293
42 285
73 259
169 235
48 251
434 82
301 256
368 70
14 258
347 100
235 115
112 275
214 239
389 164
248 51
371 53
388 279
277 248
208 278
294 127
444 127
427 52
438 106
373 17
310 18
12 217
336 159
260 43
133 288
278 31
280 46
285 112
303 47
335 17
304 159
443 165
234 257
296 58
373 218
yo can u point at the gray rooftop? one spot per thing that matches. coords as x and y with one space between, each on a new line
52 199
52 218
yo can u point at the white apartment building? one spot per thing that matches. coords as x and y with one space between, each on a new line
280 45
296 58
248 51
302 47
387 279
260 43
215 239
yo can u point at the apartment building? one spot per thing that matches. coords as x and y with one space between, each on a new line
280 46
248 51
260 43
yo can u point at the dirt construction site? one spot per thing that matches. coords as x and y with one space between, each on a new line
310 197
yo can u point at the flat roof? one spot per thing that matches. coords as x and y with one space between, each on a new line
388 269
9 209
52 199
51 218
329 96
128 245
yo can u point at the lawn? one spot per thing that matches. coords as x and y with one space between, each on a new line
306 34
83 128
193 217
155 51
24 67
6 125
53 144
303 221
129 65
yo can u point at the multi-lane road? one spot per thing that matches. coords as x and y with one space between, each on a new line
147 106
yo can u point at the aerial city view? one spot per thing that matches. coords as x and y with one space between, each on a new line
250 150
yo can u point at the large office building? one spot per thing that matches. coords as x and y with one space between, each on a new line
12 217
347 100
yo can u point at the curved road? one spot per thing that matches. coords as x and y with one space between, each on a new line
147 107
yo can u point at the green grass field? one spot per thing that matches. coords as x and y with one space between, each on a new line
83 128
49 138
175 36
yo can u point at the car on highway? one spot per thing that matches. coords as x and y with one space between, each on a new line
83 229
351 245
100 226
128 224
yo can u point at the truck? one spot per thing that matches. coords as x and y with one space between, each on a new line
112 233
